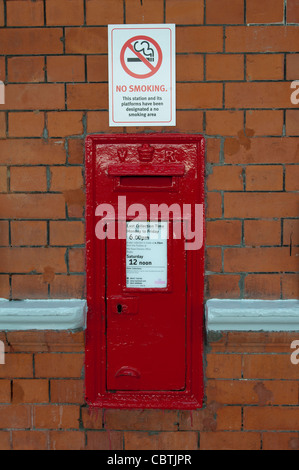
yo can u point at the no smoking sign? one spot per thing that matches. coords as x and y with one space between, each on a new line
141 75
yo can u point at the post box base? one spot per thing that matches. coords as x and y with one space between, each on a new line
174 400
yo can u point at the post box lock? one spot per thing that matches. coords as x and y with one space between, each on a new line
124 305
145 270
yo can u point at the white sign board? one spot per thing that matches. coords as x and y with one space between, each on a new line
141 75
146 254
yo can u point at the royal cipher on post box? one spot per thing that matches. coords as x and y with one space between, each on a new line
145 270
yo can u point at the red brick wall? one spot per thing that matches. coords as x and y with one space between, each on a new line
251 391
233 86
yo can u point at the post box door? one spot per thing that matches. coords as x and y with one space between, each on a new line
146 326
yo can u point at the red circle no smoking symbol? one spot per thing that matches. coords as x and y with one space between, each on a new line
141 57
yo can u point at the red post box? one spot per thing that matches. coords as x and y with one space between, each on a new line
145 270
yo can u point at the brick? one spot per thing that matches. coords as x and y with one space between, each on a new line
199 95
291 231
142 420
5 440
104 12
293 11
214 260
269 366
138 13
32 152
189 67
224 366
264 178
261 150
28 179
25 260
86 40
75 151
226 178
66 178
77 260
223 286
189 121
5 391
224 122
104 440
265 122
56 365
225 67
30 391
229 418
258 95
4 233
1 13
56 416
271 418
292 122
64 13
29 287
75 200
164 440
260 260
65 68
252 392
191 13
17 365
213 150
2 125
260 205
262 286
223 232
28 124
2 69
265 67
67 440
15 416
262 232
230 440
270 11
280 441
64 123
34 96
28 233
31 41
38 341
204 419
292 178
67 391
262 39
29 440
4 287
214 205
87 96
3 179
32 206
290 286
20 13
199 39
292 66
98 122
225 11
97 68
66 287
26 69
66 233
92 418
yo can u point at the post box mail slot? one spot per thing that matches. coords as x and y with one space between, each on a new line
145 270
